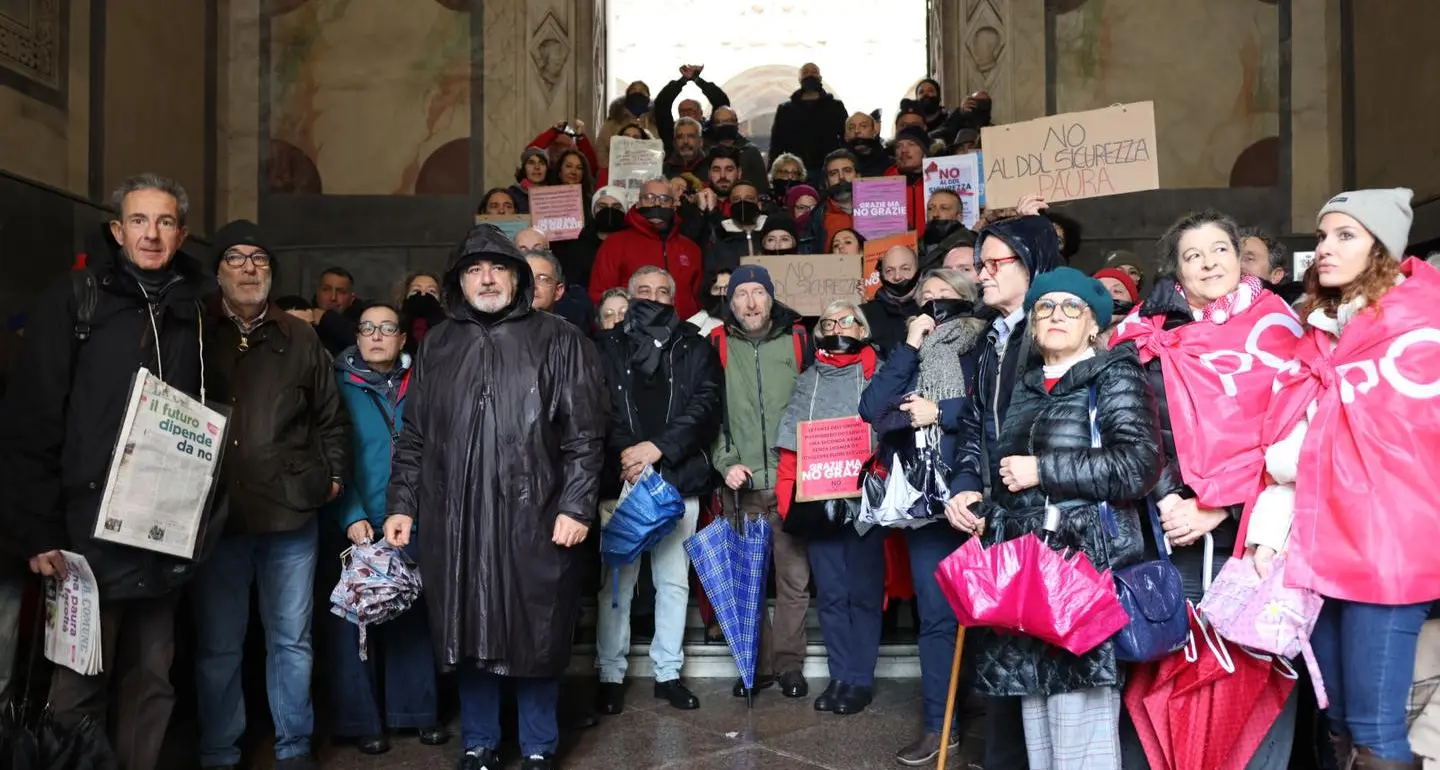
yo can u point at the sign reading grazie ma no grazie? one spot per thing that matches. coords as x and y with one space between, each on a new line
1075 155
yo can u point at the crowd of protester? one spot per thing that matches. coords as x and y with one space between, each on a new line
484 420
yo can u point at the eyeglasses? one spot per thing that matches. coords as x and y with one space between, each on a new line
236 259
652 199
386 328
544 279
831 324
992 266
1045 308
801 208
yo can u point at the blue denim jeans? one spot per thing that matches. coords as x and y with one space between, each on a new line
849 573
282 567
400 673
928 546
670 571
536 699
1366 653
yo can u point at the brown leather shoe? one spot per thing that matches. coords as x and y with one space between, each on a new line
925 748
1344 749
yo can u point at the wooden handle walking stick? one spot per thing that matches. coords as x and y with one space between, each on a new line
950 698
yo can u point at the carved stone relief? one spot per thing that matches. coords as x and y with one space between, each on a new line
31 46
985 46
550 52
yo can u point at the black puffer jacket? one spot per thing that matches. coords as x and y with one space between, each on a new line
693 414
64 408
1165 301
1055 427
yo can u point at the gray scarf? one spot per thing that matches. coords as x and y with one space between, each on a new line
941 376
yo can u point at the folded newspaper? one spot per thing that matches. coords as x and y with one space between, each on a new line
72 617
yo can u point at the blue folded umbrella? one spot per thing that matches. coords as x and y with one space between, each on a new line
646 514
731 562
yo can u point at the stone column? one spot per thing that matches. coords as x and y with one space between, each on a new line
237 119
544 62
992 45
1317 151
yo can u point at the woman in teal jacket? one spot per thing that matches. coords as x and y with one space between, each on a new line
373 375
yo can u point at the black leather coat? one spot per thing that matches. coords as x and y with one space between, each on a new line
1165 301
691 368
1055 428
504 430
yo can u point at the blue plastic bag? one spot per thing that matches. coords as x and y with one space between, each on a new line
647 512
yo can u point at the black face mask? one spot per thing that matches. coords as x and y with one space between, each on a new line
899 289
665 215
810 85
937 230
980 116
866 146
943 310
929 105
610 220
637 103
715 305
1122 309
839 343
780 187
421 306
725 132
745 213
842 191
790 250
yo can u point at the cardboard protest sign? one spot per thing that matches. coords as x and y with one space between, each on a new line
829 455
961 174
874 252
1075 155
558 211
508 224
880 206
632 161
806 283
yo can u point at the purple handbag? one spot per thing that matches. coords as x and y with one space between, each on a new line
1265 614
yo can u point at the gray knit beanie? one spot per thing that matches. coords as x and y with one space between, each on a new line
1385 213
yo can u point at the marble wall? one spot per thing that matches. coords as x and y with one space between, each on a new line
154 96
45 92
1214 103
1397 96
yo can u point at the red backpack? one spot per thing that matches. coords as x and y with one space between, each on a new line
804 354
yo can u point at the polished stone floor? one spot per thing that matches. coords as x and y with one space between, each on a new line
721 735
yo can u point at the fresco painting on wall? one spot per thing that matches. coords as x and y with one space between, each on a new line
368 91
1223 98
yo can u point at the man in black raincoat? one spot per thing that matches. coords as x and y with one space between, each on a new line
499 464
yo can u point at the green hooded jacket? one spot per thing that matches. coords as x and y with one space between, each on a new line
760 377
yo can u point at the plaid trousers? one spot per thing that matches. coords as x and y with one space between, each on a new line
1073 731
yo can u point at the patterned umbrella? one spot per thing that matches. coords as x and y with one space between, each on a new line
731 560
377 583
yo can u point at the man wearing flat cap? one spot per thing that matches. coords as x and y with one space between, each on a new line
286 455
499 464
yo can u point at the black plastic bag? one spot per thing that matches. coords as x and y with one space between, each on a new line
82 746
18 749
819 519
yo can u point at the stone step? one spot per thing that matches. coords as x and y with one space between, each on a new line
706 661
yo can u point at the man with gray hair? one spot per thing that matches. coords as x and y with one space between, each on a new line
1262 256
135 304
689 149
652 238
665 391
551 293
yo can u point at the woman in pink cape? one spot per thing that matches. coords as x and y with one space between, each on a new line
1352 441
1211 340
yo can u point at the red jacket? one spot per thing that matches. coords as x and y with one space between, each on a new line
582 143
914 202
638 245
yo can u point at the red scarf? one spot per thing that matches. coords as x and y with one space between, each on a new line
865 357
1218 379
1367 495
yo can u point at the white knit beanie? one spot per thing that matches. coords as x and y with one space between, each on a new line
1385 213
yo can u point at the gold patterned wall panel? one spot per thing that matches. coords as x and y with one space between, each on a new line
1216 106
370 97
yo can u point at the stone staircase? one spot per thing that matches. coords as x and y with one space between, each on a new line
898 659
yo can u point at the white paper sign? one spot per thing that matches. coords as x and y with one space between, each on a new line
157 495
72 618
1302 262
632 162
961 174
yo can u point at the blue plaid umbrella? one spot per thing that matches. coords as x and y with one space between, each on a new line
731 560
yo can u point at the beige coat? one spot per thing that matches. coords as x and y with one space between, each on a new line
617 118
1425 697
